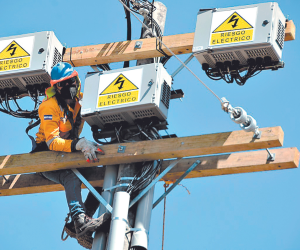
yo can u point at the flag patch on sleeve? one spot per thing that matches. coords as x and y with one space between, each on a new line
47 117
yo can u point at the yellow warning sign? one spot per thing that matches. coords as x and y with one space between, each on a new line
120 84
233 22
14 57
13 50
16 63
234 29
120 91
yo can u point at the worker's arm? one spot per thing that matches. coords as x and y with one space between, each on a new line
50 124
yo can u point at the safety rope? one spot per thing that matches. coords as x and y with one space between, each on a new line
164 216
160 41
63 231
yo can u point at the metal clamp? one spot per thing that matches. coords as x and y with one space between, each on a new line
121 149
122 219
271 157
257 134
134 229
117 186
138 44
162 174
126 178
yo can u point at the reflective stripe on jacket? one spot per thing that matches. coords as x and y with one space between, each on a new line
54 129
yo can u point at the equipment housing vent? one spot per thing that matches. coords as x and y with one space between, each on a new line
30 80
222 57
143 113
56 58
280 34
112 118
166 95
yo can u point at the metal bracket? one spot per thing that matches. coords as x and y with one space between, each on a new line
122 219
271 157
114 187
162 174
181 67
138 44
121 149
134 229
191 168
150 83
257 134
93 190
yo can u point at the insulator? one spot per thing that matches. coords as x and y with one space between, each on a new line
241 115
249 125
144 12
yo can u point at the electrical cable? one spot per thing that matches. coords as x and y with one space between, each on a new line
128 18
174 54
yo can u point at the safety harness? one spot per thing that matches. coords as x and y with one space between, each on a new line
69 116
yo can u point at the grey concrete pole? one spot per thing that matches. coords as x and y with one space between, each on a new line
159 15
129 170
142 220
119 221
144 209
110 179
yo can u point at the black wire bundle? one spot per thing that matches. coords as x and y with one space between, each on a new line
145 130
136 6
127 13
104 67
144 177
19 112
231 71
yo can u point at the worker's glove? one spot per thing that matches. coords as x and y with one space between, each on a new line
89 149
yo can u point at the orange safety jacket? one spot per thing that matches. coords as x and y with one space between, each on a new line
55 128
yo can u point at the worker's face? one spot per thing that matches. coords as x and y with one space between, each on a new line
68 88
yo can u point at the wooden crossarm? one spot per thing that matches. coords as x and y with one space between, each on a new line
126 51
290 31
234 163
144 151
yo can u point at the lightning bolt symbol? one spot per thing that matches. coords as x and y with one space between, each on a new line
233 19
120 82
13 48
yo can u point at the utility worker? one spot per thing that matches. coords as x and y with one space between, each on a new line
61 125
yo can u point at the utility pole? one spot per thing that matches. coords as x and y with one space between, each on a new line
140 214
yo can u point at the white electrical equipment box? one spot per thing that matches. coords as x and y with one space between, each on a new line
125 95
240 33
27 60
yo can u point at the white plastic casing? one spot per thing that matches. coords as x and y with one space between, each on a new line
239 33
145 92
38 53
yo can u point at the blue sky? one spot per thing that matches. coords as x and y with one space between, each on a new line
254 211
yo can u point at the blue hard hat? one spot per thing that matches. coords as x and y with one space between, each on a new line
61 71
